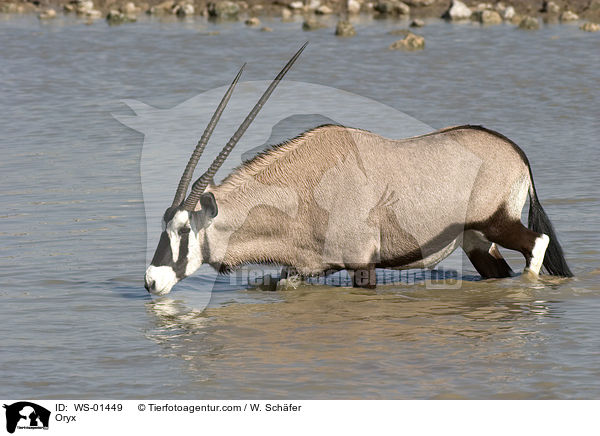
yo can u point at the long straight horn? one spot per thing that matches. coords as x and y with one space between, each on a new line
186 178
200 185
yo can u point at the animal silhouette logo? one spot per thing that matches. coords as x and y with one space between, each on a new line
24 414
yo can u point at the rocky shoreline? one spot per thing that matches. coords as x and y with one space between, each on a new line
526 14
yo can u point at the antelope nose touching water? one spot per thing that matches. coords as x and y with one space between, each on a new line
336 198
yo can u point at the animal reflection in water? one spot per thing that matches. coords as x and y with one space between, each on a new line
339 198
341 315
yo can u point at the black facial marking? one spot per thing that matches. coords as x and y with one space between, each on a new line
169 214
181 264
163 255
208 203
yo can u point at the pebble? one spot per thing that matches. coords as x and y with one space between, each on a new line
253 21
410 42
345 29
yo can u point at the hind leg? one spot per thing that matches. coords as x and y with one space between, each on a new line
515 236
484 256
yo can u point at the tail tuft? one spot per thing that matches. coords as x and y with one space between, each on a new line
554 260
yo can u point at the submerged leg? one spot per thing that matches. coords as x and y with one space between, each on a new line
484 256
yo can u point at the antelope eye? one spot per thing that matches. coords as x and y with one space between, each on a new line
184 230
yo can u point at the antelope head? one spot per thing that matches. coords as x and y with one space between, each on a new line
185 223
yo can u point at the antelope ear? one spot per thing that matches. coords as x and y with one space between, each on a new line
209 205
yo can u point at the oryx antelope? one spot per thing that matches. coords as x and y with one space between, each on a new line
338 198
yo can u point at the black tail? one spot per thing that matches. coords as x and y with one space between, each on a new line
554 260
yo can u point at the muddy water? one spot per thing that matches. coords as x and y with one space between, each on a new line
76 321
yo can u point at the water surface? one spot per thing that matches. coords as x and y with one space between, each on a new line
77 322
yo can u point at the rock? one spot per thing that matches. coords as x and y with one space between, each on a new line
550 7
410 42
183 10
13 8
224 10
529 23
489 17
254 21
68 8
257 8
28 8
312 23
115 17
419 3
130 8
593 10
457 11
188 8
484 7
286 15
344 28
313 5
401 8
569 16
83 7
353 7
48 14
590 27
417 23
508 13
296 5
266 29
93 14
391 7
162 8
324 10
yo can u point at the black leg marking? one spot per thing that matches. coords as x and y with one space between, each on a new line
489 265
514 236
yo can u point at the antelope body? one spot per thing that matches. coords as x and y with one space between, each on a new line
342 198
